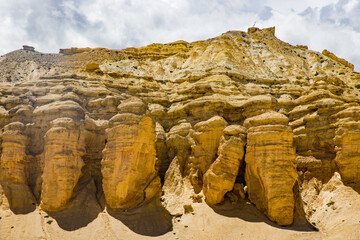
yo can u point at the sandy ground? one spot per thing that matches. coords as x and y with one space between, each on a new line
85 219
240 221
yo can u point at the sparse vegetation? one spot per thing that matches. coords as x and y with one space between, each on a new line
188 208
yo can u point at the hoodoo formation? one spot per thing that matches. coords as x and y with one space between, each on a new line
240 127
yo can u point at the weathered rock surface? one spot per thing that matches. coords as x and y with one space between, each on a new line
13 168
63 152
128 165
220 177
270 166
203 151
347 137
178 119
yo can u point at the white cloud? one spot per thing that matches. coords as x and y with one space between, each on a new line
53 24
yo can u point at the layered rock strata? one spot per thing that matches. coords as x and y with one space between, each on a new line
124 118
220 177
13 166
270 166
204 148
347 141
63 152
128 165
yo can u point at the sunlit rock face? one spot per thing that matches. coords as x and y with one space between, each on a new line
128 165
220 177
63 151
270 166
239 116
13 168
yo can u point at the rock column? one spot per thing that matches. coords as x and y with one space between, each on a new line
206 136
347 145
129 157
270 166
221 175
13 168
63 151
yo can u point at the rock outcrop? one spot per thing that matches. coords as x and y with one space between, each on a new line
220 177
63 152
347 137
203 151
239 116
128 165
270 166
13 168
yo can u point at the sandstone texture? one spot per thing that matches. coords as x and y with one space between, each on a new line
270 165
128 164
160 130
63 152
221 175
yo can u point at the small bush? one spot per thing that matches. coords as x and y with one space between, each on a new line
188 209
49 222
357 86
330 203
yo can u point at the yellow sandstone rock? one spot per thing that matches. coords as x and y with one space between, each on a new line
347 137
129 157
140 122
203 151
63 151
270 166
221 175
13 177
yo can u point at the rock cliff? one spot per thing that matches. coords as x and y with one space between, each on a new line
239 116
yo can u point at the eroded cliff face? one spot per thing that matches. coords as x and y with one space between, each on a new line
63 152
128 164
270 165
242 115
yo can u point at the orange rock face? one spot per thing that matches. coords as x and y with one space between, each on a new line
220 177
63 151
239 117
128 165
270 166
203 152
13 168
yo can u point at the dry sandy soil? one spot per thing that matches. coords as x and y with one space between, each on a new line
85 219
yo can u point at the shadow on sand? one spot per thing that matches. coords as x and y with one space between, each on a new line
82 210
149 219
20 198
248 212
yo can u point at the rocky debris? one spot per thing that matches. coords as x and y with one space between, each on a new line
270 166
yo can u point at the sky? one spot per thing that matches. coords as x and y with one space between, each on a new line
116 24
